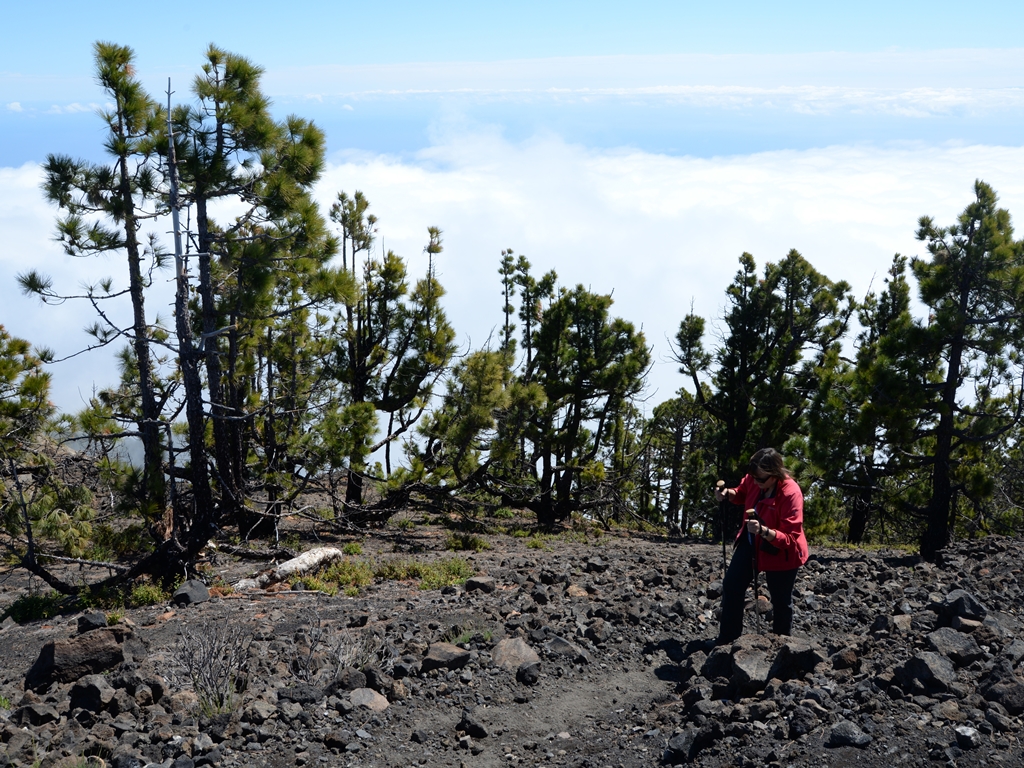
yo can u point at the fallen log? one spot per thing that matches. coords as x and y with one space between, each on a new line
297 566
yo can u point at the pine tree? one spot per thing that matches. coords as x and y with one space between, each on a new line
255 269
866 423
588 365
780 331
43 513
392 345
973 286
104 206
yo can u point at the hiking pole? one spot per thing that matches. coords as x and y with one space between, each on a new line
720 485
752 515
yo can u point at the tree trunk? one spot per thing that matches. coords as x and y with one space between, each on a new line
936 535
154 499
231 491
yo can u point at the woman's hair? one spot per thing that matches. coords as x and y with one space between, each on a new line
768 461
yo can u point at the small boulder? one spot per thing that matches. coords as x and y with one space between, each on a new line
368 698
600 631
34 714
93 693
750 670
927 672
528 673
796 659
847 734
967 737
90 621
471 724
348 679
512 652
300 693
191 592
802 721
445 656
846 658
961 649
680 747
962 603
485 584
64 661
559 646
1005 688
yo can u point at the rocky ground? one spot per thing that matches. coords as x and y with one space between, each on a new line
578 654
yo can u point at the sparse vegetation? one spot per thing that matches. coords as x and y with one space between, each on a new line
315 584
147 594
37 607
466 542
475 631
349 573
431 575
352 548
216 659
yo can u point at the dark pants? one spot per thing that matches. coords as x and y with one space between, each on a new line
734 590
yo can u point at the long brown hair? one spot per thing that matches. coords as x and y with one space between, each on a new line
768 461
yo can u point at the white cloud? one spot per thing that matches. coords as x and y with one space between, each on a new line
963 69
28 223
15 107
72 108
800 100
662 233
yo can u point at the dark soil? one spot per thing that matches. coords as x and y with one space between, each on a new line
894 661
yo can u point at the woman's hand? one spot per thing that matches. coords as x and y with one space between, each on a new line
754 526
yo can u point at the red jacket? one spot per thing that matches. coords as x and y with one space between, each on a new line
783 512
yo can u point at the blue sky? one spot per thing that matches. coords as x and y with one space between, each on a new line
638 148
383 76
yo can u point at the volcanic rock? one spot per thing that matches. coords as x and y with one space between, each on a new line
64 661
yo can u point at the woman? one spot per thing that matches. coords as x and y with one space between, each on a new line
773 528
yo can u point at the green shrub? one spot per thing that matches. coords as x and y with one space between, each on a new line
348 573
145 594
537 542
316 584
38 607
431 575
466 542
405 523
353 548
446 573
504 513
473 631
